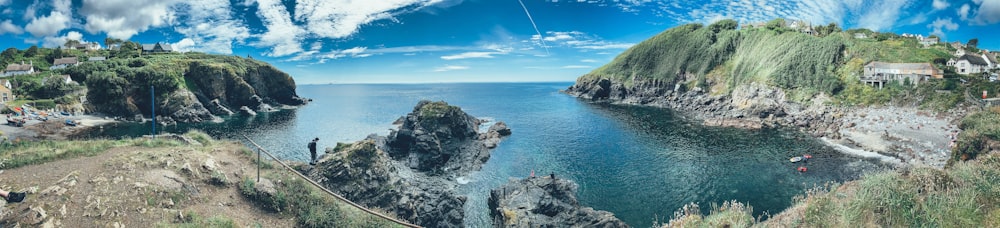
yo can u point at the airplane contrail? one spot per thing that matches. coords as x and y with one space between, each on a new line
540 38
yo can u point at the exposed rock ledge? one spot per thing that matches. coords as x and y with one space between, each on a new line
900 135
412 173
544 202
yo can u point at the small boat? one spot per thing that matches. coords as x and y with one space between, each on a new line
800 158
64 113
70 123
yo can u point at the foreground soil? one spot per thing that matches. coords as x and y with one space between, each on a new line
187 185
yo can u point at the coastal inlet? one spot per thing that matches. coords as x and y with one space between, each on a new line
639 163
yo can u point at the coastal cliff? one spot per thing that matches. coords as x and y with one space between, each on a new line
776 76
413 172
544 202
188 87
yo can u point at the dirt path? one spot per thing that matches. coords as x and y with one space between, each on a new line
137 187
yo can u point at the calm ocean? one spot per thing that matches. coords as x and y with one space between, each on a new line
640 163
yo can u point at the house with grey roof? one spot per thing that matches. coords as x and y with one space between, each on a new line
19 69
96 58
969 64
879 73
62 63
156 48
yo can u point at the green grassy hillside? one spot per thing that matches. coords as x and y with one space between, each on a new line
718 57
965 195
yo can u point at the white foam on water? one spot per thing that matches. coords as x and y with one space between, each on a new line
861 153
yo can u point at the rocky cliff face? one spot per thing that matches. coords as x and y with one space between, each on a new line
747 106
412 172
437 137
544 202
256 86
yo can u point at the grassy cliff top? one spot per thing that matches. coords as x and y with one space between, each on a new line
718 57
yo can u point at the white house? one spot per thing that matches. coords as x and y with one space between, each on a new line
19 69
64 62
929 41
969 64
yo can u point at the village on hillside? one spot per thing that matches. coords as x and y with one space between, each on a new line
34 87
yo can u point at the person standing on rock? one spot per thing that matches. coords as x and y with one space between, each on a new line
312 151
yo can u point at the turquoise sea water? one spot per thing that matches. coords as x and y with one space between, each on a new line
640 163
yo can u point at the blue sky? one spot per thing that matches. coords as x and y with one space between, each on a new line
406 41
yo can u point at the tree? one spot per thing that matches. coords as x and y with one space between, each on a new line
775 25
832 28
31 52
8 56
128 49
973 43
55 54
71 43
932 36
725 24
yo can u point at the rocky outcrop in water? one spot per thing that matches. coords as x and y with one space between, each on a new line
412 172
747 106
544 202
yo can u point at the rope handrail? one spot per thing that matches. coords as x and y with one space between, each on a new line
335 195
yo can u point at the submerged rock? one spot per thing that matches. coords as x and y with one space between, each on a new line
544 202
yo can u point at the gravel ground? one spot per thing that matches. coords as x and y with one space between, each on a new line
54 128
907 135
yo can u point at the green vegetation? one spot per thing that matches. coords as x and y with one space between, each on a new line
311 206
436 109
22 153
965 195
980 134
719 58
193 220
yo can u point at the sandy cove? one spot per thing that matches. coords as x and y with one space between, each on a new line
54 128
897 135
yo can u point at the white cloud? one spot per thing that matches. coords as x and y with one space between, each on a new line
123 19
580 40
882 15
469 55
9 27
940 4
59 41
48 25
988 13
878 15
185 45
576 67
282 35
4 2
342 18
209 26
963 12
314 53
450 68
588 60
939 26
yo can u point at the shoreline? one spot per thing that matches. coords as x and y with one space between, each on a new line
900 136
54 128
